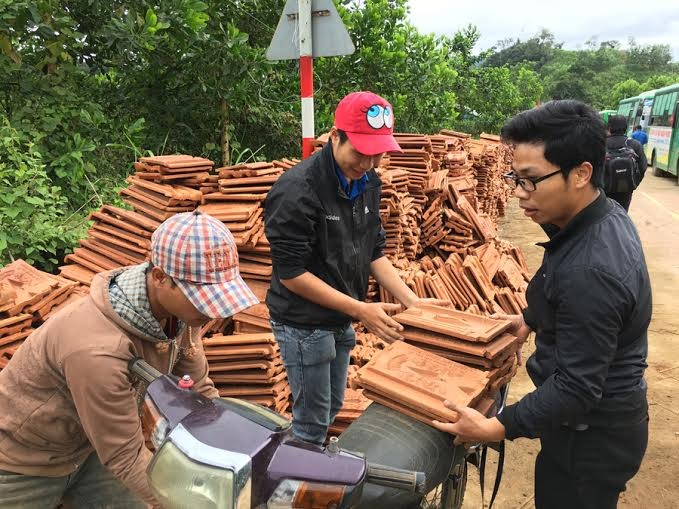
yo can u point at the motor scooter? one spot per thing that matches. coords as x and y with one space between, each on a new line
226 453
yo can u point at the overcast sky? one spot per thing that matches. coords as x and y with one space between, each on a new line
572 21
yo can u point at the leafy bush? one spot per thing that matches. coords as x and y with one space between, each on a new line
33 222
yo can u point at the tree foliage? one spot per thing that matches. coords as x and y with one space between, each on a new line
600 74
88 86
30 203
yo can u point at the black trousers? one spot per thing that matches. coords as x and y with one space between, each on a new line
587 469
624 199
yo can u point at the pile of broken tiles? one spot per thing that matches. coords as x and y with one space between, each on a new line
28 297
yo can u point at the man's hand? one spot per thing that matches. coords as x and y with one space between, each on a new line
518 328
417 302
471 426
374 316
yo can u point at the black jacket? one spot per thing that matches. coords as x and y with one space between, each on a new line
312 226
614 142
590 306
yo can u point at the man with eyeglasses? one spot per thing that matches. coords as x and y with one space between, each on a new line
589 305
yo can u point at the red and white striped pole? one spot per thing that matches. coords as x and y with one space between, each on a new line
306 76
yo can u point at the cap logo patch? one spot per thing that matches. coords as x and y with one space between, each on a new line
220 260
379 116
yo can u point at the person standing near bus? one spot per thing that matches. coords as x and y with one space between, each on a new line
640 135
617 140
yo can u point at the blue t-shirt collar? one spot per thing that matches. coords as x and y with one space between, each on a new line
352 189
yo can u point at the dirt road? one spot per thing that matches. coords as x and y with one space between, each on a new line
655 211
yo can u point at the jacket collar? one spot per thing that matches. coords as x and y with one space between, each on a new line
591 214
328 164
99 293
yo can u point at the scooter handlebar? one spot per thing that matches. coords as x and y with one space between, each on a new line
407 480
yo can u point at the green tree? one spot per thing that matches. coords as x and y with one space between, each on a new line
33 220
537 51
392 59
487 94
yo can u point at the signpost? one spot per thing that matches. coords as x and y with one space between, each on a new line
308 29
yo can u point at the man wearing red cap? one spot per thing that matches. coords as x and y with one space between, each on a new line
323 224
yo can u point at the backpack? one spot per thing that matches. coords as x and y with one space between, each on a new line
621 170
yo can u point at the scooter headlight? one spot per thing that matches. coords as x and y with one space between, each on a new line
185 474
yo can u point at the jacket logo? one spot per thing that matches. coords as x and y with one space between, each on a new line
330 217
367 210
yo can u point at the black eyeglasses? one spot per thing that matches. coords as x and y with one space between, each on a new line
527 183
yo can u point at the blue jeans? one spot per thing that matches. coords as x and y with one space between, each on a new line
92 486
316 361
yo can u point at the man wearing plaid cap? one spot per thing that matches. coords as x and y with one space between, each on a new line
323 224
74 433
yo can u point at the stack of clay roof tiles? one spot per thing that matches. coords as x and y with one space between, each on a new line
255 318
118 237
178 169
437 243
475 283
247 363
248 366
418 164
28 297
354 405
476 341
398 214
490 160
438 234
161 187
238 202
415 382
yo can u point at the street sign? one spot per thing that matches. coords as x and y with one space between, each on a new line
329 35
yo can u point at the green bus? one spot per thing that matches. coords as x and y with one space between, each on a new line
663 133
627 107
604 114
637 110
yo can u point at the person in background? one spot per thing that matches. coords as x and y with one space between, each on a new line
617 139
640 135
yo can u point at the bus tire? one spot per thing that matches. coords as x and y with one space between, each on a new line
657 172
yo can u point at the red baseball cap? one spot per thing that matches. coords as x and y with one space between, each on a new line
368 120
